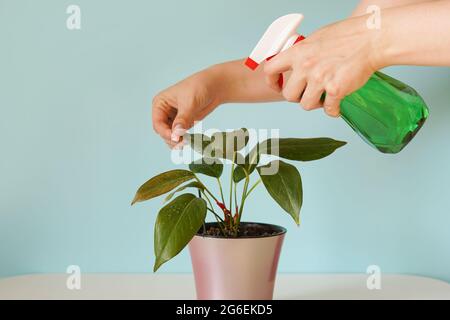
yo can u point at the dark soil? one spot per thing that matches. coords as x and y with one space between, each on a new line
247 230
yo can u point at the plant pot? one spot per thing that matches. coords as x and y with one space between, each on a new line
241 268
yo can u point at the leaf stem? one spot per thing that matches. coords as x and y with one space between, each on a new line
221 190
218 219
253 187
206 189
235 196
200 196
231 180
216 215
244 194
212 208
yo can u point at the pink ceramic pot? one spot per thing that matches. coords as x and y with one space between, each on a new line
236 269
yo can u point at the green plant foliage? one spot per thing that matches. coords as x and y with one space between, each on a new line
193 184
285 187
161 184
247 166
199 142
221 145
301 149
290 149
180 219
210 167
226 144
175 226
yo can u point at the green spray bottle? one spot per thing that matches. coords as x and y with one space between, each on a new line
385 112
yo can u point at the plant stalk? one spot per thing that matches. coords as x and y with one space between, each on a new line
253 187
231 180
235 197
244 194
206 189
221 190
218 218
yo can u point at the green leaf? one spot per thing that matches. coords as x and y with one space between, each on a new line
210 167
162 184
291 149
225 144
193 184
199 142
176 225
221 144
301 149
249 165
285 187
239 174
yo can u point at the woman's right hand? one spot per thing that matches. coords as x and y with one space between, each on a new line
177 108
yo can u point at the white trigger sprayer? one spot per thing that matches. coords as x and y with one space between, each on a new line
281 35
385 112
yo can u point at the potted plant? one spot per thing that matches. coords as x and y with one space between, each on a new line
231 259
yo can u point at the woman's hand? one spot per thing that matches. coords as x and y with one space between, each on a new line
177 108
337 60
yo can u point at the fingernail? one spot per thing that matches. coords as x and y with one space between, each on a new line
174 138
177 132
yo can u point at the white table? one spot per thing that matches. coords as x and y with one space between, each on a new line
181 287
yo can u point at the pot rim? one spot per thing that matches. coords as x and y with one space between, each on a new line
280 231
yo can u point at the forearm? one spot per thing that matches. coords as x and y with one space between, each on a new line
234 82
361 9
414 35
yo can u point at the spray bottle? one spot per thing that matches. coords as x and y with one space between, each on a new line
385 112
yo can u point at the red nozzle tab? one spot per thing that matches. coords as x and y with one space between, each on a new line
252 64
300 38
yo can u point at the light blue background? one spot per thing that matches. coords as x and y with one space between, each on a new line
76 141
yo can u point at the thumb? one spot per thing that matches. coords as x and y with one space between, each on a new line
183 121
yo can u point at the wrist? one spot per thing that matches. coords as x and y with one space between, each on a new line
379 55
383 50
205 84
217 80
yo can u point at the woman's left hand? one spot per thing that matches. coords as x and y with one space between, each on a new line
337 60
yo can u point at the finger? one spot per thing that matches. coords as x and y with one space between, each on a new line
170 143
174 145
274 69
162 121
183 121
275 82
294 88
332 105
280 63
311 97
